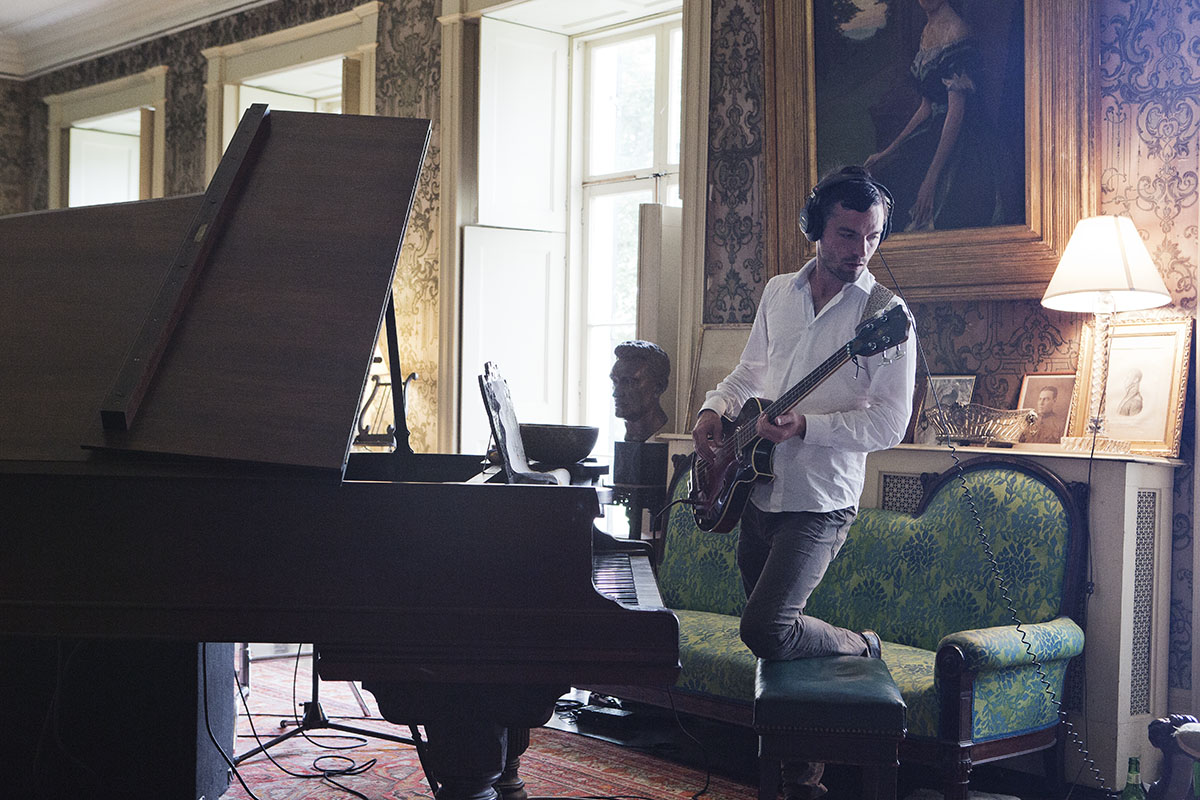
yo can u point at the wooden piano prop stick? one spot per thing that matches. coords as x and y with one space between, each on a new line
121 405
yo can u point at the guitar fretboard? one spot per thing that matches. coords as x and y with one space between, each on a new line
749 432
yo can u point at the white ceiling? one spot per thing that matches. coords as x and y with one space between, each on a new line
37 36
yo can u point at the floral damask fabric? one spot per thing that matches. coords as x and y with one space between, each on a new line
699 569
915 579
714 660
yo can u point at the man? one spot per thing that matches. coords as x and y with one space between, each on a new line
1049 423
639 378
793 526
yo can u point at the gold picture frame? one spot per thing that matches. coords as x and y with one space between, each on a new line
1144 393
996 263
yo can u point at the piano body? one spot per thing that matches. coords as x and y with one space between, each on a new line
181 381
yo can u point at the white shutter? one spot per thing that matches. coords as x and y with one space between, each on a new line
522 127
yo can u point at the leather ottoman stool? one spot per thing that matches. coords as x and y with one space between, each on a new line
836 709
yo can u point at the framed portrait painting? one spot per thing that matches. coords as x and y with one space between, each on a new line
1049 394
858 82
940 391
1144 391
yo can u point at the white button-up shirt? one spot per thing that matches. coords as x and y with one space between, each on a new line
856 410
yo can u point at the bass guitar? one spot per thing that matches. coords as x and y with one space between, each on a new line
718 491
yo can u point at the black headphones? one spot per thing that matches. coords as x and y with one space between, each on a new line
812 216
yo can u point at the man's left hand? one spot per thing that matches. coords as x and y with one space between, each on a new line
783 427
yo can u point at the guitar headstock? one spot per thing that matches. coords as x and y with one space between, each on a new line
886 329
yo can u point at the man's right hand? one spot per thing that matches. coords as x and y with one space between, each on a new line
708 434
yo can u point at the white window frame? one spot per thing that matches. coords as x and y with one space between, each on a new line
145 90
351 35
585 185
661 27
459 127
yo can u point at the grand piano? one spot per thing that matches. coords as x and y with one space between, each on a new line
181 382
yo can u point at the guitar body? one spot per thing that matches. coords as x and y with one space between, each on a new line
721 490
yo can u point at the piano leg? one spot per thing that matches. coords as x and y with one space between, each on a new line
510 786
466 756
467 727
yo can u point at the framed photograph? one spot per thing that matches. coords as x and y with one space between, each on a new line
838 93
1147 379
1049 394
940 390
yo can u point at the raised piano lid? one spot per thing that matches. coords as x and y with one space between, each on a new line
269 355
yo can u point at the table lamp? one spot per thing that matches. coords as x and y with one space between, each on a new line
1106 268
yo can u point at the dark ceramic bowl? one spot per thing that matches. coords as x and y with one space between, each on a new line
558 444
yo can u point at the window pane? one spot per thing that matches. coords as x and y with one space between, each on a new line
598 404
669 196
675 103
612 248
612 245
621 106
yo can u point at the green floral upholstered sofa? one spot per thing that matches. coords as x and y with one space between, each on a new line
928 585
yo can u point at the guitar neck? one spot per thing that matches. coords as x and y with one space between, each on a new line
749 432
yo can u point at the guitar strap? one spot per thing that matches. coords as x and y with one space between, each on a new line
881 298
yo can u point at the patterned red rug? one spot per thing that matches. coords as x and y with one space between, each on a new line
557 764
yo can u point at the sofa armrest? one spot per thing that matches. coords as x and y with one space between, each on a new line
986 649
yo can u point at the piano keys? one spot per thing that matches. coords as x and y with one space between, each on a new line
227 505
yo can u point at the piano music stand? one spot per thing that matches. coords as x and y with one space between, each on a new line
502 416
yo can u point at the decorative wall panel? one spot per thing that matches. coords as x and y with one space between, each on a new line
14 148
408 77
735 240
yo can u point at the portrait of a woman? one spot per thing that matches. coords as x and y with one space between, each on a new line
950 165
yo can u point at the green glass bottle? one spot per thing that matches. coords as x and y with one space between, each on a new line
1133 784
1195 780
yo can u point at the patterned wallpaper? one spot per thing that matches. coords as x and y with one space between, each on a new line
735 240
1149 133
14 137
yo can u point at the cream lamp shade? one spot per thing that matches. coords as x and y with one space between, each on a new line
1105 268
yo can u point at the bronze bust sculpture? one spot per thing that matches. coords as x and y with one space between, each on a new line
639 378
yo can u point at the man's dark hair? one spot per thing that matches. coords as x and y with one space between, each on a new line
1052 389
851 186
654 357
